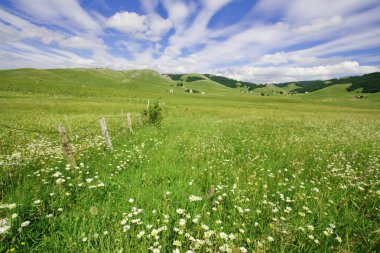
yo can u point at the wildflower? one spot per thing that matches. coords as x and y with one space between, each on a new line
49 215
223 236
25 223
4 226
310 227
193 198
140 234
4 229
96 235
225 248
131 200
243 250
156 250
57 174
270 238
84 239
126 228
14 216
60 181
182 222
12 206
154 232
36 202
180 211
338 239
105 233
231 236
177 243
205 227
60 209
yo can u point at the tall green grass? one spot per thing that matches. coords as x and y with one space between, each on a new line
223 173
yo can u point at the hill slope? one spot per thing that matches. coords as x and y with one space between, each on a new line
82 82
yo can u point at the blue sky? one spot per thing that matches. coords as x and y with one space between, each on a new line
260 41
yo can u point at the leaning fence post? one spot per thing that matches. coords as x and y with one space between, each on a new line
66 145
105 132
129 119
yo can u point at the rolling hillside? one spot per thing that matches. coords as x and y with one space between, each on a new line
100 82
82 82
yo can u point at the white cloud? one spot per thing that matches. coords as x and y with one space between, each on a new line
67 14
320 24
282 57
300 12
284 74
128 22
79 42
158 25
15 29
178 12
139 26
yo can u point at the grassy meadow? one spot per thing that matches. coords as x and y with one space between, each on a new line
225 171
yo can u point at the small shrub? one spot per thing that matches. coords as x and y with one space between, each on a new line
153 114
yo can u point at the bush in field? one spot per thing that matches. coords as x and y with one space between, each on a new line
153 114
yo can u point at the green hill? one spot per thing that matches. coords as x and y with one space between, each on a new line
272 89
83 82
202 84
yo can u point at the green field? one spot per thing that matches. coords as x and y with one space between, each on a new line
225 171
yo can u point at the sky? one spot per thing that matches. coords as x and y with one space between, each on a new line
260 41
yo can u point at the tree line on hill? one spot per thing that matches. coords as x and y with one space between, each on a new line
369 83
180 77
232 83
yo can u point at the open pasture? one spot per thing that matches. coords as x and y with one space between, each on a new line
224 172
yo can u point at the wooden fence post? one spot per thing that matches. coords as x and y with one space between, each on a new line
105 133
129 119
139 119
66 145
